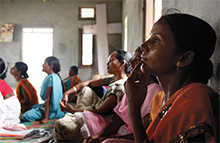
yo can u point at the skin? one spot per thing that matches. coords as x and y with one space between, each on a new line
47 69
118 122
113 67
17 75
159 58
71 72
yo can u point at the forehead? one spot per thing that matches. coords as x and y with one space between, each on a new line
162 28
113 55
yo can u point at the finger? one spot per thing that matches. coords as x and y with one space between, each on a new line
136 70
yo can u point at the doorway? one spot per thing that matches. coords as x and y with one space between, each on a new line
37 45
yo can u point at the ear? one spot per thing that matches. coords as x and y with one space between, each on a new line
187 58
123 62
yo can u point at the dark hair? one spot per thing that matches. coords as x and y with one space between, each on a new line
122 55
193 34
3 69
23 68
53 61
75 69
56 67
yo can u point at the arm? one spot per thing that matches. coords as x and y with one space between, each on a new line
78 87
26 97
47 105
106 107
136 93
112 128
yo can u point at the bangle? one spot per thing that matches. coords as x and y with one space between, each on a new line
84 110
75 90
112 128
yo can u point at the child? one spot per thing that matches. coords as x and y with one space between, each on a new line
26 93
51 93
10 106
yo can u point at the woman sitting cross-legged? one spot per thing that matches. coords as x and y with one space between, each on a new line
68 128
51 93
121 126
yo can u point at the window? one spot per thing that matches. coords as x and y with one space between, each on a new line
37 44
86 49
152 12
86 13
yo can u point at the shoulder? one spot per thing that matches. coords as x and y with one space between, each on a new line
197 89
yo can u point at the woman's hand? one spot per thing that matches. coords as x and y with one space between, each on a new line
67 108
94 138
44 121
136 88
65 98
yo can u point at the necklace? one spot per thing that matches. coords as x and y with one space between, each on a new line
168 104
185 82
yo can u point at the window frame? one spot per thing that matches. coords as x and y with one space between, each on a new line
81 18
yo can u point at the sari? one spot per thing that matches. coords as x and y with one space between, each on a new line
189 115
31 92
69 83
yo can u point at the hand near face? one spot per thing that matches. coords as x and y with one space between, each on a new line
136 88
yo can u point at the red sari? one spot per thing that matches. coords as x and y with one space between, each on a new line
189 112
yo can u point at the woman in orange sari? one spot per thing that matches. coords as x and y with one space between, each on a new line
178 52
26 93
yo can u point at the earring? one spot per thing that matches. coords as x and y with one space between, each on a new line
178 65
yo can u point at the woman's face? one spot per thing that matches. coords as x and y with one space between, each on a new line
113 64
14 70
136 58
71 72
46 67
159 56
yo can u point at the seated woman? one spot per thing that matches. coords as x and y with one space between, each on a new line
26 93
51 93
68 128
178 53
71 81
10 106
121 126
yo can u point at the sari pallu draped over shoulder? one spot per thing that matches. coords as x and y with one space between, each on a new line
31 92
189 115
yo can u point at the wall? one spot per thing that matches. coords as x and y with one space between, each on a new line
62 15
133 10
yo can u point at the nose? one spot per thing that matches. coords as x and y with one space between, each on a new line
144 46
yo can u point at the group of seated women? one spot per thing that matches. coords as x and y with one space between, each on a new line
159 95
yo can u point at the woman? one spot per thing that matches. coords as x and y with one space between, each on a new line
10 106
71 81
51 93
178 53
68 128
26 93
121 126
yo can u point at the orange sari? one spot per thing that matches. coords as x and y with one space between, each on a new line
189 112
31 92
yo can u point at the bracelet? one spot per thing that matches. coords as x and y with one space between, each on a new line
112 128
75 90
84 110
